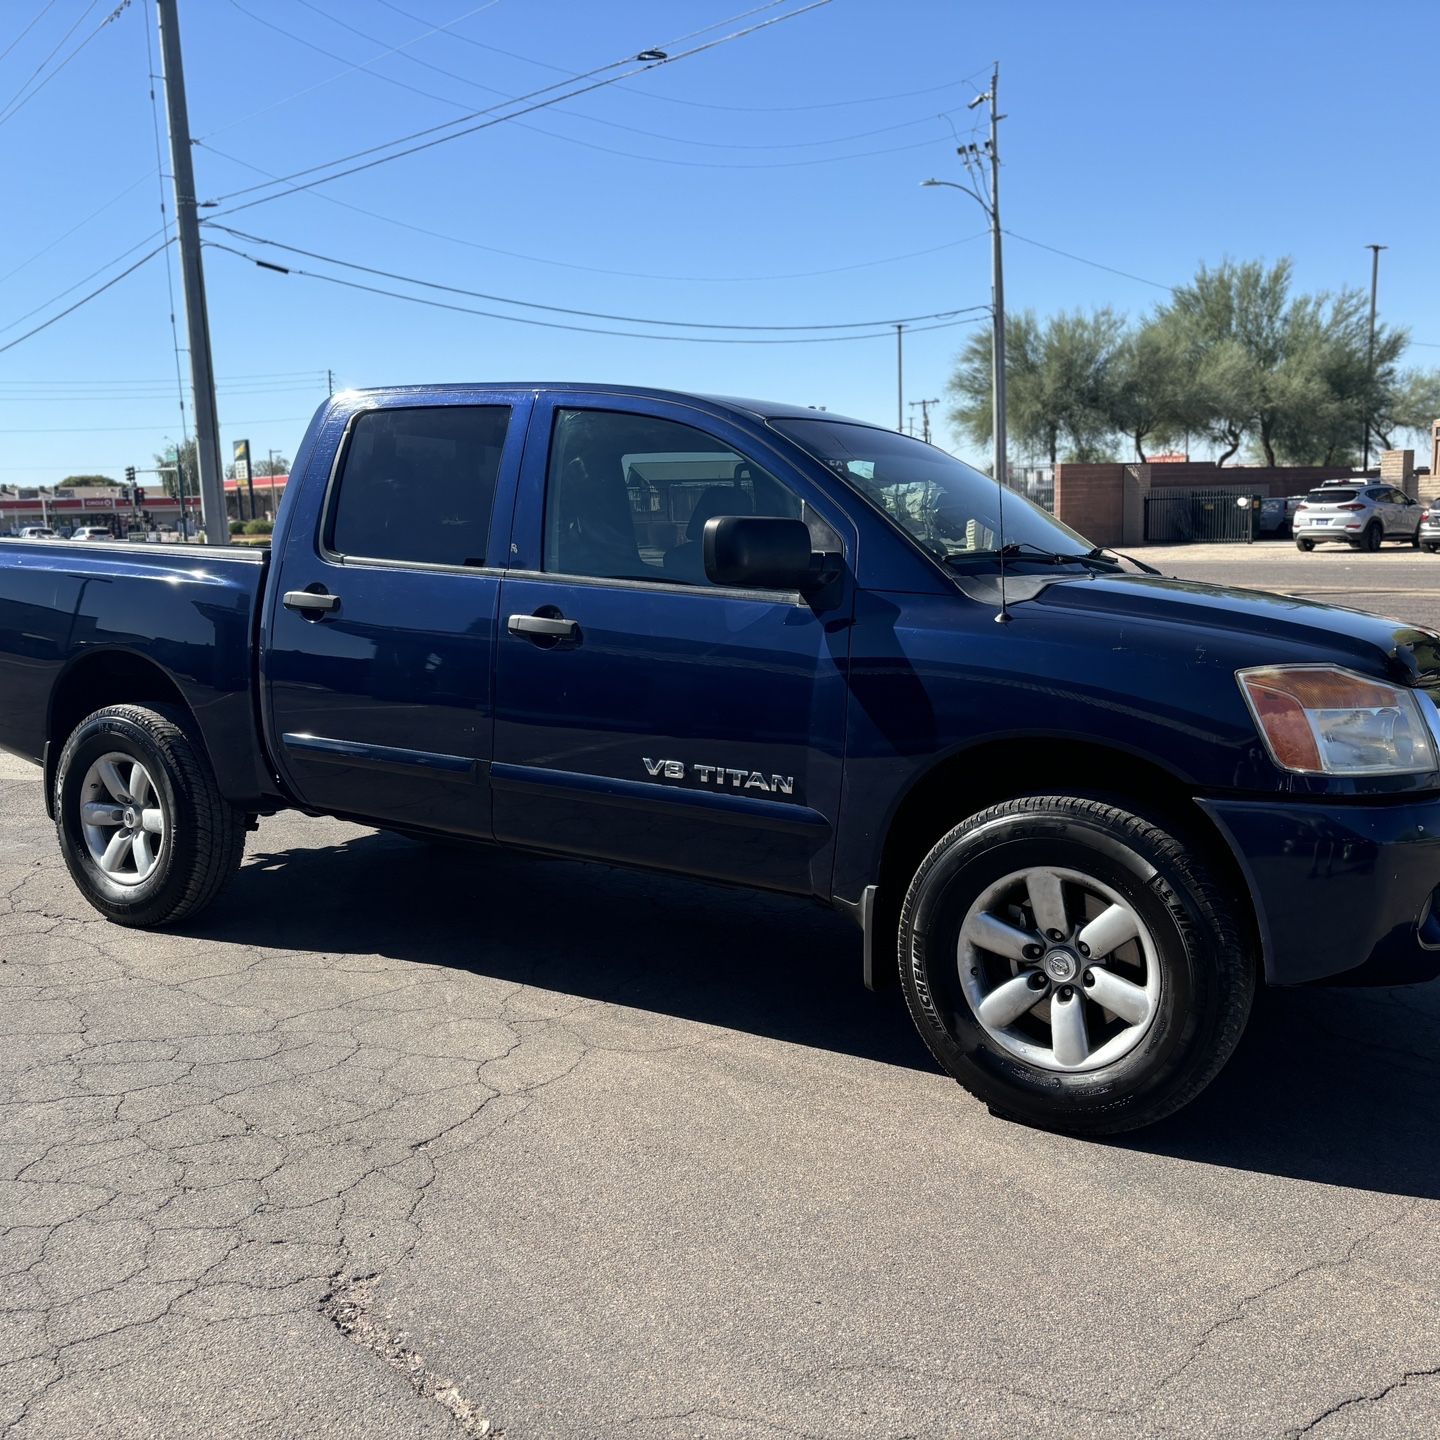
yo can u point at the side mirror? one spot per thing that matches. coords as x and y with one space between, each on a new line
764 552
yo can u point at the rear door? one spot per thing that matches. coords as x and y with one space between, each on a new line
644 715
381 616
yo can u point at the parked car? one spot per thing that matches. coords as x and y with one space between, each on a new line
37 532
1277 514
1360 515
757 644
93 532
1430 530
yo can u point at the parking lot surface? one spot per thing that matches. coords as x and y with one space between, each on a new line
397 1141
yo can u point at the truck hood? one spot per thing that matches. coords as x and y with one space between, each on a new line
1406 653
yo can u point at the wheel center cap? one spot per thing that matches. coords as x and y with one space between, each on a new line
1060 965
129 819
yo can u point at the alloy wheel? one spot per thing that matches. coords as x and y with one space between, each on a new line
122 819
1059 969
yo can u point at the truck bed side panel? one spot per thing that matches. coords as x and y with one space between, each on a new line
188 610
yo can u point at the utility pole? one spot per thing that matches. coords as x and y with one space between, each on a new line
330 382
197 322
900 378
1370 348
924 418
990 203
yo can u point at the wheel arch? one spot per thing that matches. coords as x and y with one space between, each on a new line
95 679
965 782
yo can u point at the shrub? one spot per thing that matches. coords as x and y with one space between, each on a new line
259 527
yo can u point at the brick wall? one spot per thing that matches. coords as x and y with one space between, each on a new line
1105 503
1091 499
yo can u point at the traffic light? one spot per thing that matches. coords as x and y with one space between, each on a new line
130 476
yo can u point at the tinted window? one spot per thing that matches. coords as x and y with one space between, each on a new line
948 507
1330 496
418 484
628 496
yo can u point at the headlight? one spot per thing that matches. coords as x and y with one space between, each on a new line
1322 720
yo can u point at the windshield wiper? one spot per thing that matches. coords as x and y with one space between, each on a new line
1100 554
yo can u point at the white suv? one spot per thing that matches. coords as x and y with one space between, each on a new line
1361 513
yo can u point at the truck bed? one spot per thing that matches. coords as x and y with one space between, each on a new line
170 622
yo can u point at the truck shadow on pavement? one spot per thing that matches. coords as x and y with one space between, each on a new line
1335 1086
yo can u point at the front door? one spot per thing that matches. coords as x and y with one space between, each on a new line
382 607
644 715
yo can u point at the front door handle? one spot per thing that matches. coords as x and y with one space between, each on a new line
547 627
309 602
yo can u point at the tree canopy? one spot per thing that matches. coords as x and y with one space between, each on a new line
82 482
1235 358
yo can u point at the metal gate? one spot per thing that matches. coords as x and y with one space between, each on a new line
1214 515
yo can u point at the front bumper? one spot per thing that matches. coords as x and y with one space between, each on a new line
1342 893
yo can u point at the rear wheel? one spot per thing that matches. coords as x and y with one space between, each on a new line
1072 965
1304 544
144 830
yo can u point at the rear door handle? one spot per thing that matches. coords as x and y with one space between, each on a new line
309 602
551 627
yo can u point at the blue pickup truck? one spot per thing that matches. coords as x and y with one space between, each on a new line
1078 812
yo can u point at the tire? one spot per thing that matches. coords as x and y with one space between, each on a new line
1372 538
182 848
1430 548
1186 960
1415 538
1306 545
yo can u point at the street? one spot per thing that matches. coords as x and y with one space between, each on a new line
402 1141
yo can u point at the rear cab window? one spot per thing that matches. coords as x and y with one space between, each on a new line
417 485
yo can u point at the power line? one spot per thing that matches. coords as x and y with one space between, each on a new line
117 429
349 69
79 225
45 304
703 104
597 269
578 329
571 310
39 15
1055 250
165 230
84 300
80 20
577 114
647 64
113 15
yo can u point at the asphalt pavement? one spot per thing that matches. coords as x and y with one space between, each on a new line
398 1142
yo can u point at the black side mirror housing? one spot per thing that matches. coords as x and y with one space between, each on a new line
764 552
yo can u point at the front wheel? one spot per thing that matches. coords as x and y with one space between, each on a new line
1072 965
1372 537
144 830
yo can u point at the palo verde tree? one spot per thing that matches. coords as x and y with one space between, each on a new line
1236 357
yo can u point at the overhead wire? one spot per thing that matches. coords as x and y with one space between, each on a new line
35 19
14 109
45 304
588 329
572 310
703 104
150 78
1055 250
470 244
438 139
79 225
506 98
84 300
349 69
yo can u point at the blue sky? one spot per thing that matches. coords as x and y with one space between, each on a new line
758 183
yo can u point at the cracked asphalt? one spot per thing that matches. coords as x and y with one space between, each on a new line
403 1142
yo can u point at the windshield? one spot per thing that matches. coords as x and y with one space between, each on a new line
948 507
